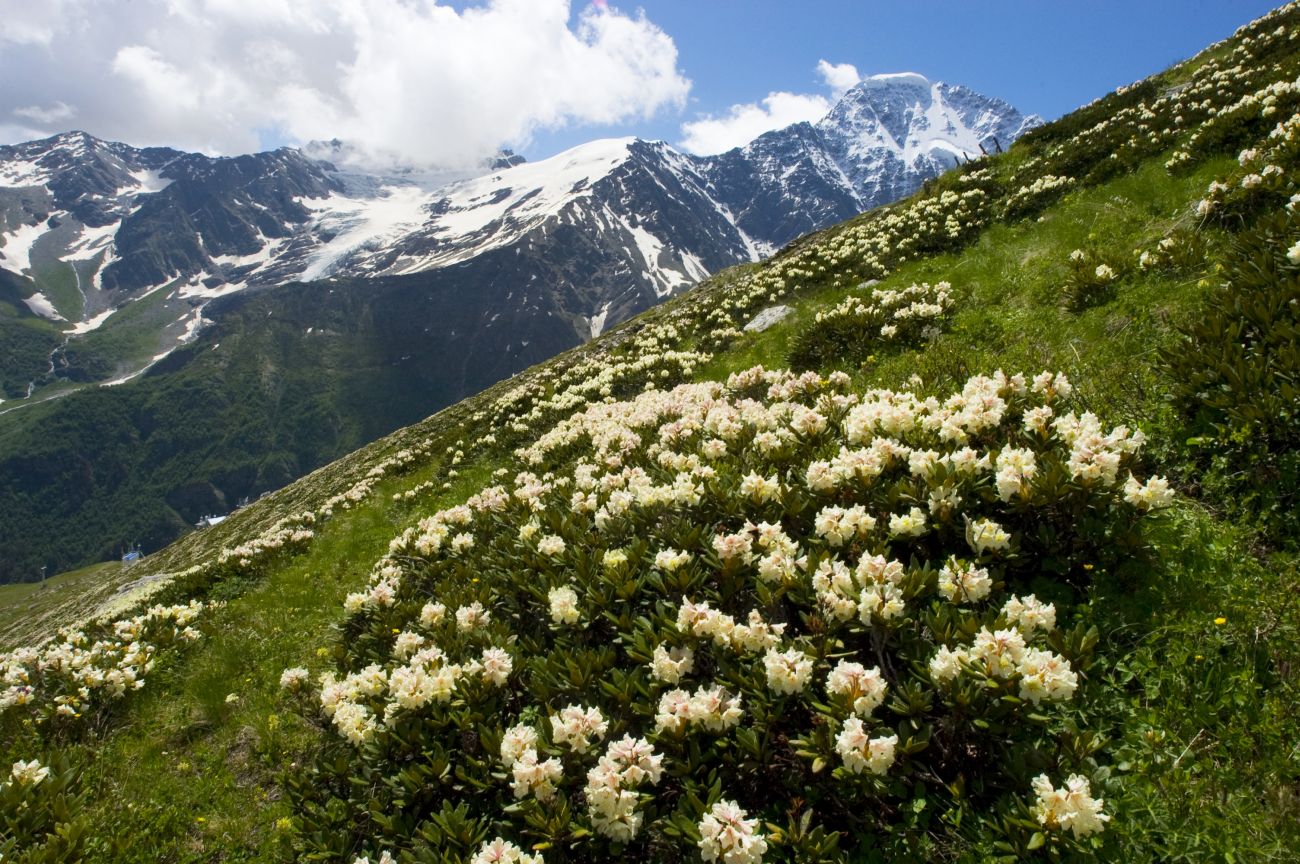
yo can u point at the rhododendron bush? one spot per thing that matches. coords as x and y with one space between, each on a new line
76 677
880 318
745 621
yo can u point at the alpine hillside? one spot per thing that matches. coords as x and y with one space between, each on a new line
985 549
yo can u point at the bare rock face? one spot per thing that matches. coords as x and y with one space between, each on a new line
768 317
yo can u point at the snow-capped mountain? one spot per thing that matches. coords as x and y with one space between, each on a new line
879 142
890 129
90 229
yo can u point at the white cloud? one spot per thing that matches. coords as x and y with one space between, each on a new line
420 80
838 76
23 22
55 113
743 123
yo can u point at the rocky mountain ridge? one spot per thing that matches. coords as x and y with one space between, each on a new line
89 226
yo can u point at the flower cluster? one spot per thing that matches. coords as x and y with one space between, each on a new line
612 785
1069 808
1265 178
84 670
501 851
1006 655
727 836
288 535
1034 197
858 325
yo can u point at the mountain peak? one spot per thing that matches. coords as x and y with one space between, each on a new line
893 123
892 80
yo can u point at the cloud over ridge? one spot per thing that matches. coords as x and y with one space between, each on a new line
741 124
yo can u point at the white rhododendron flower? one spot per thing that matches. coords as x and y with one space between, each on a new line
1069 808
355 722
703 621
294 679
564 605
432 614
534 776
962 583
611 789
1155 494
759 489
29 773
1045 675
406 644
578 728
860 752
669 665
727 836
670 560
501 851
787 671
909 524
998 652
1052 385
713 708
1015 468
497 666
755 635
839 525
735 547
551 545
985 535
1030 614
864 688
472 617
946 664
517 740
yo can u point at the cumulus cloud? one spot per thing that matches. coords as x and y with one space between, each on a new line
838 76
743 123
425 81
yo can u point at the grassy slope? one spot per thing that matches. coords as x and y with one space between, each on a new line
1203 715
204 766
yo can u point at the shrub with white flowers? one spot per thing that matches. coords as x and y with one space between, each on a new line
799 590
1089 281
83 672
881 318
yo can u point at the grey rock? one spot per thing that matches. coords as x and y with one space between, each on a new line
768 317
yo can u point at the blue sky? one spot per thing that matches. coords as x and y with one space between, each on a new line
447 82
1044 57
